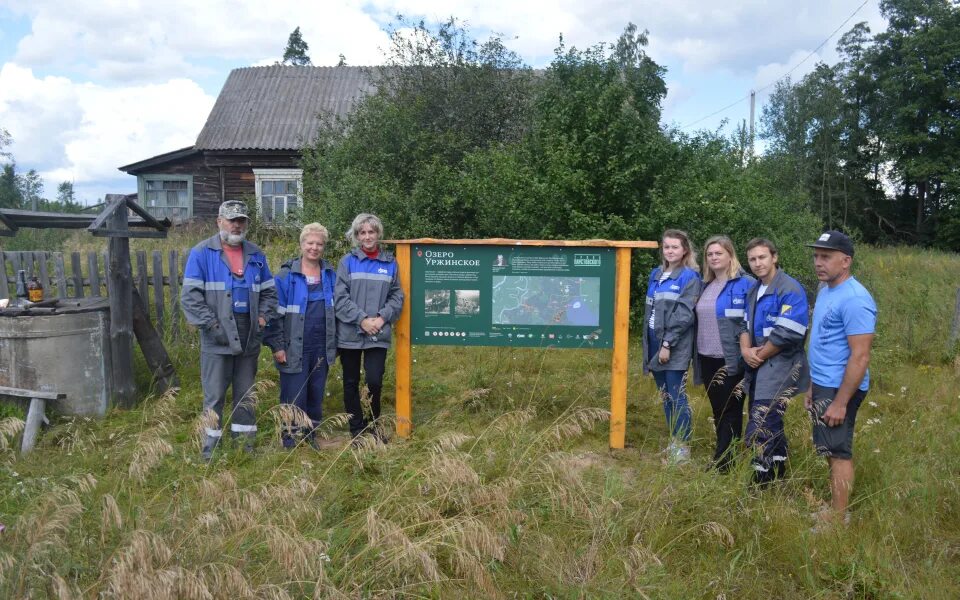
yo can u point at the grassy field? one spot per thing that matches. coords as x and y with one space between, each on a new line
506 488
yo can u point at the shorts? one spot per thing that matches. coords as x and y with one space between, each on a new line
834 442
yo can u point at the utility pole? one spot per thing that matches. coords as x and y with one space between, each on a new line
753 100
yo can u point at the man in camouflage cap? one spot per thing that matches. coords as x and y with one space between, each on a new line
228 292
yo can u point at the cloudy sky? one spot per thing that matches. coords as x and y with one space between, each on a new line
88 86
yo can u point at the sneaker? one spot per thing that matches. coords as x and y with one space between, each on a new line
678 453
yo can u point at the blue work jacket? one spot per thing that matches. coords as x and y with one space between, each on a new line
286 331
730 310
781 316
206 296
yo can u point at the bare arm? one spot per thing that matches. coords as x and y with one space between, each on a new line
860 346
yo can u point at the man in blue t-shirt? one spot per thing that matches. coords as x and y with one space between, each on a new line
844 321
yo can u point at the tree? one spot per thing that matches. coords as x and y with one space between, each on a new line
296 51
31 189
5 140
10 196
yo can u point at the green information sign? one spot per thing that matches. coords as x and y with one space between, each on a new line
464 295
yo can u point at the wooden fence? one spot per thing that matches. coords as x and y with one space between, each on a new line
81 278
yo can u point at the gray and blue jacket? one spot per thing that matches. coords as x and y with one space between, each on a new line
730 311
781 316
207 295
366 287
673 303
286 332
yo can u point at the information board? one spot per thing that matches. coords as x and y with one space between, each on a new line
473 295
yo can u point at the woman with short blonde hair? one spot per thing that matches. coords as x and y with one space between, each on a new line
304 338
718 364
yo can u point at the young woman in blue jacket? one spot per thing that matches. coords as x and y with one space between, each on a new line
668 332
776 322
304 338
718 365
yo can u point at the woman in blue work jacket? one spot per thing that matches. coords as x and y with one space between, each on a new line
776 322
304 338
668 333
718 365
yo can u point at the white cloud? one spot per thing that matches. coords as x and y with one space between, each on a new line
144 41
82 132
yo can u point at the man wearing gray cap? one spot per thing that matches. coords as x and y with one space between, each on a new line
844 321
228 292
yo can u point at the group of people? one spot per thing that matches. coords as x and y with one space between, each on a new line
745 337
308 314
744 334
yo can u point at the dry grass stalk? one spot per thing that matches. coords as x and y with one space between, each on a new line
639 558
473 536
10 428
288 419
720 532
209 521
110 517
208 419
513 420
574 423
473 399
272 591
48 527
227 580
297 556
401 553
140 569
6 564
447 472
332 424
450 442
470 568
150 450
63 590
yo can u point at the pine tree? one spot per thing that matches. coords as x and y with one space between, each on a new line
296 50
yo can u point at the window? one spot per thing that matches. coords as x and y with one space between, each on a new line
167 196
279 193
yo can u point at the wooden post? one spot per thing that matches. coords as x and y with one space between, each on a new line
142 279
61 275
94 272
173 263
621 332
77 275
44 276
152 346
403 353
31 429
120 292
4 285
158 289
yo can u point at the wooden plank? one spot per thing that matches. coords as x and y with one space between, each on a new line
147 217
509 242
61 275
115 233
45 275
93 270
619 368
150 343
24 393
401 333
111 209
143 282
77 275
105 255
173 263
31 428
4 282
158 289
120 292
27 258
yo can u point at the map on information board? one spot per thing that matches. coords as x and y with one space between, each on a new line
479 295
525 300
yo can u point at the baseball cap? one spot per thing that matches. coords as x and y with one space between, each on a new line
834 240
233 209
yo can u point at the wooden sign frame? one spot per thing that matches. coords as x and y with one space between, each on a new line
621 325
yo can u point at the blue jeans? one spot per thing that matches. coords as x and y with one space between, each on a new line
305 389
675 405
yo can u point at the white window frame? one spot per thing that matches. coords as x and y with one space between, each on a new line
260 175
142 191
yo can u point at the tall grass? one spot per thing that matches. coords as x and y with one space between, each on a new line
506 489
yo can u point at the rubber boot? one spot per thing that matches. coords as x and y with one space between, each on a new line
210 443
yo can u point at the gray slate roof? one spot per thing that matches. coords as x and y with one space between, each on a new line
277 107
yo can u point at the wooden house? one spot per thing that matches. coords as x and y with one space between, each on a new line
250 145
